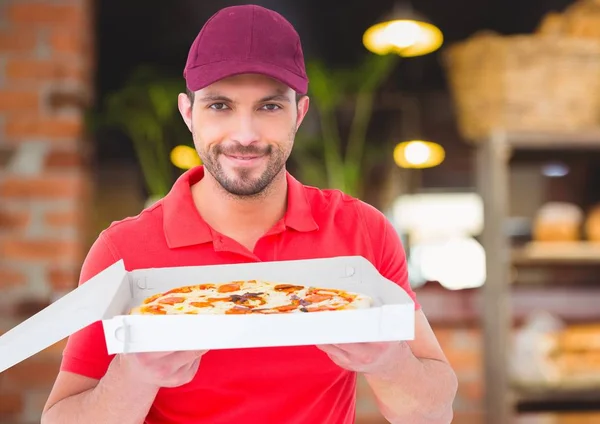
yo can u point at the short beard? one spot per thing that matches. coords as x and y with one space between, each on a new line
241 186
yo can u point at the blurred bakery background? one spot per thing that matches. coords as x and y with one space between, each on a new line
475 126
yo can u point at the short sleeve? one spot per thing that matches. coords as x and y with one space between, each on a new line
85 353
388 251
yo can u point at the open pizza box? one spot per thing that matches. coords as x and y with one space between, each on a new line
112 293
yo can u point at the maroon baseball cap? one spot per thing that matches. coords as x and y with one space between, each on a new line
246 39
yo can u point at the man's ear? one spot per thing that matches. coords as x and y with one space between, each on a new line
184 103
303 104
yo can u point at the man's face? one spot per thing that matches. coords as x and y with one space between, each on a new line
243 129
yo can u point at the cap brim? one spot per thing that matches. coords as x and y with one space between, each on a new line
205 75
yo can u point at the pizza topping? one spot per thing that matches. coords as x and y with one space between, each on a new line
324 292
244 297
218 299
228 288
320 308
201 304
206 286
247 298
301 301
287 288
238 311
286 308
316 298
152 298
172 300
236 298
155 309
187 289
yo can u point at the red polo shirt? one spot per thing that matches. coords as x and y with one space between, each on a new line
289 385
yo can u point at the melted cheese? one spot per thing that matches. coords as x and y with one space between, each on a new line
175 302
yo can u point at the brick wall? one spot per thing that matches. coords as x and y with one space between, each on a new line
46 63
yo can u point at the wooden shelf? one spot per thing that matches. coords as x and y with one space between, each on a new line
542 397
563 390
559 253
580 140
493 164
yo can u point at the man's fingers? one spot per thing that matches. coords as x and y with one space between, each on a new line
335 352
188 367
149 356
177 357
358 348
187 356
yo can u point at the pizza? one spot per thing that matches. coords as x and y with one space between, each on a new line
250 297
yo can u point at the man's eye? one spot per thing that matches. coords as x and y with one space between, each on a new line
271 107
218 106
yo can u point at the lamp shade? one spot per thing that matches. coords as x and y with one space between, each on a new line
404 32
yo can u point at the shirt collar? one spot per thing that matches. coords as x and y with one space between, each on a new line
183 225
299 213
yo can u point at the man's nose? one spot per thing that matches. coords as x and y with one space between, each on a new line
246 131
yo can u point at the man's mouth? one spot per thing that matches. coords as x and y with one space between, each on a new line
243 160
244 157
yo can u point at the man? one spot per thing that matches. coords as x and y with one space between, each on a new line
247 98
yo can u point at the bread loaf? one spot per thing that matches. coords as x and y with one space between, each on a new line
592 224
557 221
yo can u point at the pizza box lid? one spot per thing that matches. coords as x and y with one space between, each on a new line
101 297
110 294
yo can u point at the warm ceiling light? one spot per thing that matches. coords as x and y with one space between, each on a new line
418 154
403 32
185 157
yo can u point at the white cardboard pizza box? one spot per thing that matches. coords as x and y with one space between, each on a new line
109 296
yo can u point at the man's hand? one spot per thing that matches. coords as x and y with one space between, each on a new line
412 380
378 359
161 369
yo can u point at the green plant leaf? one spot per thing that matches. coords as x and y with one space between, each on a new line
145 109
324 88
375 69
